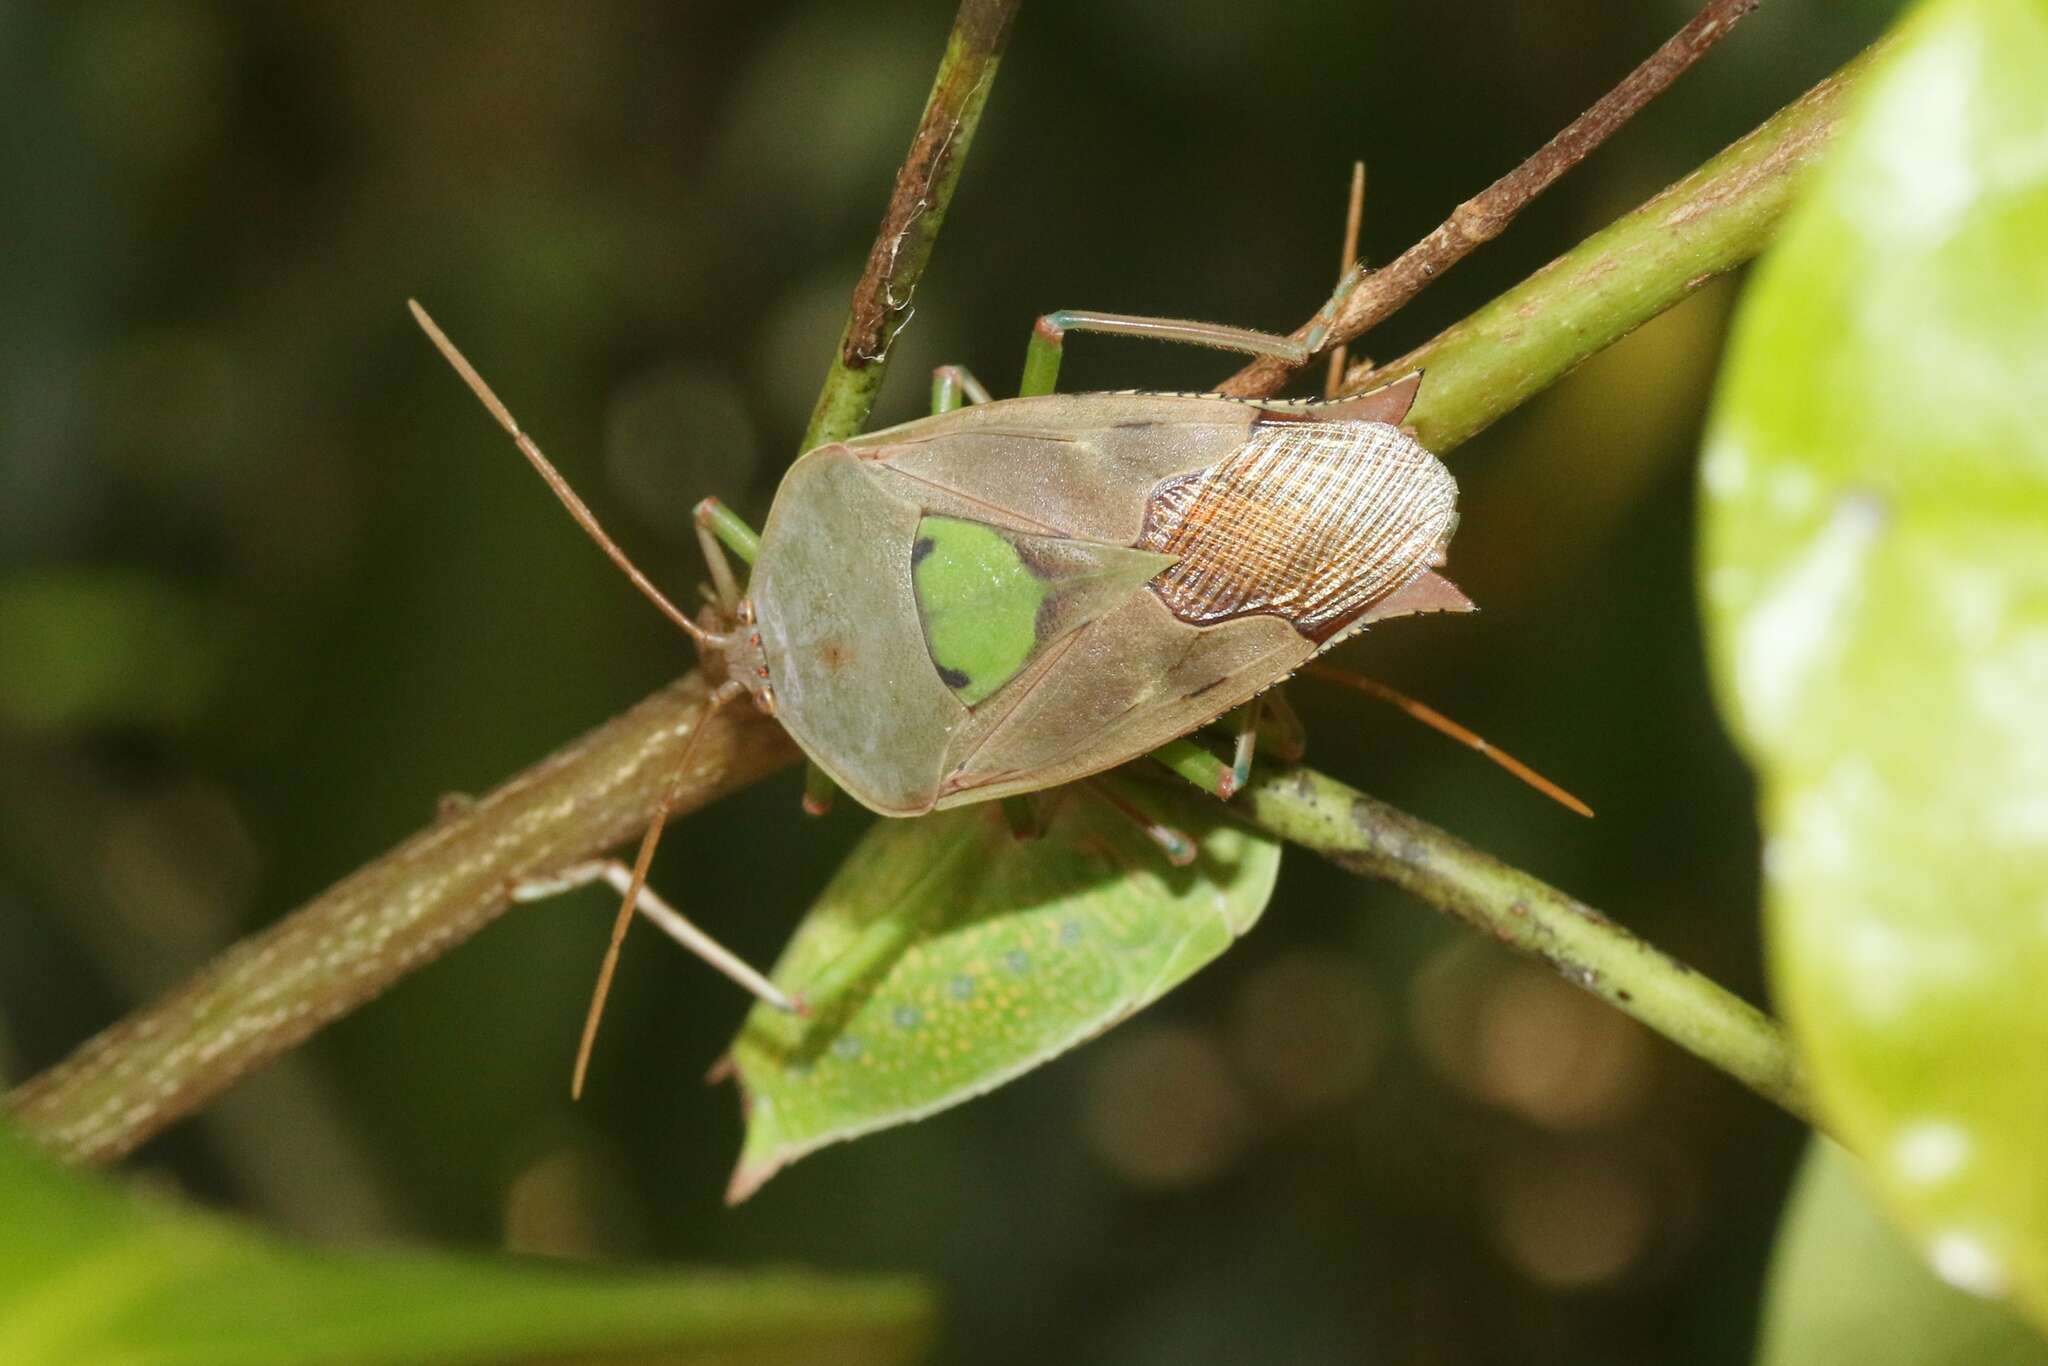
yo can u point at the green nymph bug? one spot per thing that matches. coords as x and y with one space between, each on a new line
1010 595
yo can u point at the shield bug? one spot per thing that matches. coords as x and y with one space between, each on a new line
1009 595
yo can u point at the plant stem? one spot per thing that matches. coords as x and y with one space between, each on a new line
1364 835
400 911
275 988
1487 214
1715 219
910 225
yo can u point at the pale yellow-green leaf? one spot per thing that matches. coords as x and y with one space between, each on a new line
1845 1287
1875 568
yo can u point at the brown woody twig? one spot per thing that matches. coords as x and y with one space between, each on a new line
1484 216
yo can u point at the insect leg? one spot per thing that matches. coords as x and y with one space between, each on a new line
1048 338
819 789
1174 843
1246 721
1020 813
1281 733
1266 722
722 696
662 916
1326 316
718 526
730 528
953 385
1195 764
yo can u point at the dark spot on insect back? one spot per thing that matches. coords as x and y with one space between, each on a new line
1048 618
834 654
953 678
920 548
1033 558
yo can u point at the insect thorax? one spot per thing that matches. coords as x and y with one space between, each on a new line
745 659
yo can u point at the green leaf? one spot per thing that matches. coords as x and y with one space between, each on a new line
1843 1287
1876 575
948 956
94 1275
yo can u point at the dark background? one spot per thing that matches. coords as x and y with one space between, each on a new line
270 584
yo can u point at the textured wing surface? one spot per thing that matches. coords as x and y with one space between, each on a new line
1310 521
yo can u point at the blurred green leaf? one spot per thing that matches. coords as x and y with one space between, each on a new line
1876 573
1844 1287
101 648
947 957
92 1275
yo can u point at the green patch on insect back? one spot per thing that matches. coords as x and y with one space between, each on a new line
979 602
990 599
947 956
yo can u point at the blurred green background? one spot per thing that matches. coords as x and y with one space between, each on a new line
270 585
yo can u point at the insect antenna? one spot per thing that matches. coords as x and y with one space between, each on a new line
585 518
1437 721
1354 216
721 696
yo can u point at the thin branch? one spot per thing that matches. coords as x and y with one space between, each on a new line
1372 839
1711 222
917 209
1486 215
1364 835
402 910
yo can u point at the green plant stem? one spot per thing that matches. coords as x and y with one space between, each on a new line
402 910
1717 218
1366 836
910 225
275 988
